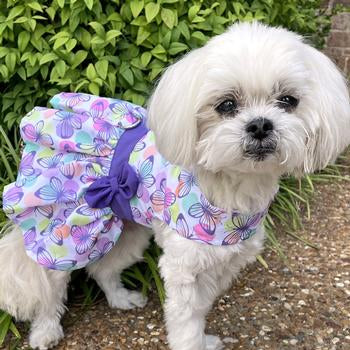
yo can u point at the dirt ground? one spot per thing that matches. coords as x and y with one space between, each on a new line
304 304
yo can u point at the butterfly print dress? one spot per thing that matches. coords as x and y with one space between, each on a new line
90 163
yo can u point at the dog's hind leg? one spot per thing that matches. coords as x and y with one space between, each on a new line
30 292
128 250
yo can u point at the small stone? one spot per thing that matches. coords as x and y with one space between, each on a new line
301 303
141 341
287 306
305 291
340 285
335 340
282 325
293 341
330 330
266 328
319 339
262 333
230 340
150 326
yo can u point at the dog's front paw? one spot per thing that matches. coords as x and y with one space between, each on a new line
45 336
213 343
126 299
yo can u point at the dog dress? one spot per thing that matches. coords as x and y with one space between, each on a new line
89 164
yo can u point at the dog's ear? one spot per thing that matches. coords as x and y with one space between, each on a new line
172 109
328 112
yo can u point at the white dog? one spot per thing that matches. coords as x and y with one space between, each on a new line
253 104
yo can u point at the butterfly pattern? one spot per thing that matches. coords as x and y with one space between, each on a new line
71 146
172 195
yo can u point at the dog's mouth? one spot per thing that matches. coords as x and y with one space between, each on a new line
260 150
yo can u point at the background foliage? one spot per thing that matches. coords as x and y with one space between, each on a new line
118 49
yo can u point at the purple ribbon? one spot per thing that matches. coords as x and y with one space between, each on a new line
114 191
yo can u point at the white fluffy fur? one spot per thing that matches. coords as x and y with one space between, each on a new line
256 63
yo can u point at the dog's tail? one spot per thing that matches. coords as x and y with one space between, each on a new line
26 288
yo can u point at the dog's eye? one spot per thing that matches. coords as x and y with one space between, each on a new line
288 102
226 107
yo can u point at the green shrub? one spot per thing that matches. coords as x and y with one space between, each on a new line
117 48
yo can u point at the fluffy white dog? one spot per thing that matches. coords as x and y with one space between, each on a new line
253 104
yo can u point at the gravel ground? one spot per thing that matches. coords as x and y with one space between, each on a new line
302 304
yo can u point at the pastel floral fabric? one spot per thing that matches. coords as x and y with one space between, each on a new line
71 147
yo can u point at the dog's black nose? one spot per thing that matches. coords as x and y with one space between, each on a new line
259 128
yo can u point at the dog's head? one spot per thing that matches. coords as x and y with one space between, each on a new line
254 99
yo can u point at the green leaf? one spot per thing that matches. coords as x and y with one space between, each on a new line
4 71
21 19
61 68
126 73
35 6
94 89
51 12
97 40
98 28
22 73
15 12
112 82
111 34
3 51
192 12
198 19
145 58
61 34
139 21
184 30
238 7
177 47
44 70
70 44
136 7
78 58
102 68
151 11
158 49
47 58
142 35
168 17
23 40
32 24
59 42
10 61
14 330
60 3
5 324
154 73
91 72
74 22
200 36
89 4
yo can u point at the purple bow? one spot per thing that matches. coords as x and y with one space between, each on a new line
114 191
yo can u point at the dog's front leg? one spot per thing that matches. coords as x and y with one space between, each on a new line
192 284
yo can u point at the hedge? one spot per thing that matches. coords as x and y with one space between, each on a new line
118 48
